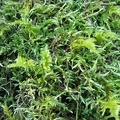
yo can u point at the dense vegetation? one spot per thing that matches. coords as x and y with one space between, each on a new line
59 60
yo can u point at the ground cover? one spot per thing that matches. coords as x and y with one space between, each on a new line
59 60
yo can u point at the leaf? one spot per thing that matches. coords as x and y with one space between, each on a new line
50 102
111 104
102 36
4 29
90 45
46 60
83 42
25 10
114 10
8 112
23 62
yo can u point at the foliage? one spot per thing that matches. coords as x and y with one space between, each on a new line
113 106
59 60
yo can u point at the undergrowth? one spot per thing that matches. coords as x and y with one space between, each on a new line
59 60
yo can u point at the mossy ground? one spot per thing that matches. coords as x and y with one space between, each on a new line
59 60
